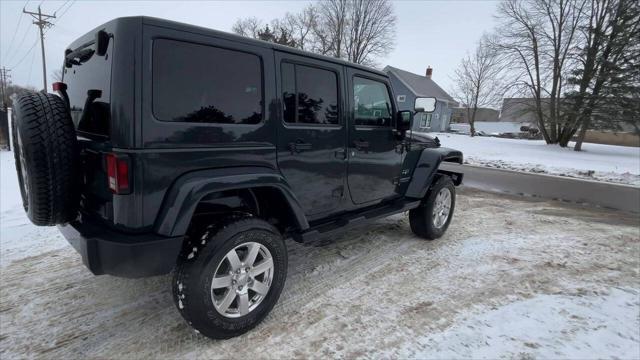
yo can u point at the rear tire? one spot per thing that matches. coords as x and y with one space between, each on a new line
46 158
221 299
431 219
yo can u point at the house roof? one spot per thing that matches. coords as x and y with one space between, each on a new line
419 85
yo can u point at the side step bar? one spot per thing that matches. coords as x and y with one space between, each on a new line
321 232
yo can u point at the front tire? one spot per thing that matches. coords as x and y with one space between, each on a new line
230 275
431 219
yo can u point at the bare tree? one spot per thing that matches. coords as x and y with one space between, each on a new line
301 26
477 80
333 21
360 30
356 30
608 74
56 75
248 27
278 32
371 30
537 39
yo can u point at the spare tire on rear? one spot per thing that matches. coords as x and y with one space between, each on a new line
46 154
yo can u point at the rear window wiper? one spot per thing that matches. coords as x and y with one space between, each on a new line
80 55
83 53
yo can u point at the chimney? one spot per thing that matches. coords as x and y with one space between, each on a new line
429 72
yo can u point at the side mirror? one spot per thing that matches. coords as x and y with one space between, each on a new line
426 105
102 42
403 123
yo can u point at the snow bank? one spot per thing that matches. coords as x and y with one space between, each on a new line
609 163
10 194
18 237
489 127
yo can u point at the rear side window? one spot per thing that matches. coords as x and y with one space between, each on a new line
372 103
205 84
309 95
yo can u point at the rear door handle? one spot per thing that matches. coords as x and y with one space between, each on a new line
361 144
299 146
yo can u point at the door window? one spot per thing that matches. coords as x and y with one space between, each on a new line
426 120
309 95
205 84
372 104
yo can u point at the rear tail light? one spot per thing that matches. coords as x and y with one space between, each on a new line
59 86
118 173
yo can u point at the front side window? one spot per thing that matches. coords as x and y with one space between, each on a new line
426 120
309 95
372 104
205 84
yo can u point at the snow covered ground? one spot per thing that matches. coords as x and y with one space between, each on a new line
512 278
619 164
18 236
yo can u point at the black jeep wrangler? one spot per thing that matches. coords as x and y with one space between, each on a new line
170 147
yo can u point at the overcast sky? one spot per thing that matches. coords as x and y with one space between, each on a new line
436 33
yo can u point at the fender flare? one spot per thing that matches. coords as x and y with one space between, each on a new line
426 168
186 192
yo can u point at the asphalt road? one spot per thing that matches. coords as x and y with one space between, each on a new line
607 195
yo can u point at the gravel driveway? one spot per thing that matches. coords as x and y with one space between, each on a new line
513 277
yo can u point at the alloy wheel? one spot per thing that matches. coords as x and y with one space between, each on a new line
242 279
441 208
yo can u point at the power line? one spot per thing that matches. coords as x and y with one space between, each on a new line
42 21
26 32
31 68
26 54
13 55
14 34
17 27
61 6
64 12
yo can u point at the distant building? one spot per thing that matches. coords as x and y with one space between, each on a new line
408 86
460 115
519 110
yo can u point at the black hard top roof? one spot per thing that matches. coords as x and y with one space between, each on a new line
233 37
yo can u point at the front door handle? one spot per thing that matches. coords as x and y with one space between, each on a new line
298 146
361 145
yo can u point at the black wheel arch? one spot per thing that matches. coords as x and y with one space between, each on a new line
426 170
258 190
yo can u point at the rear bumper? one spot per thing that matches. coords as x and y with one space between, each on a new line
106 251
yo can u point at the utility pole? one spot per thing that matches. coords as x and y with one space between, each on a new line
41 20
4 76
4 118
